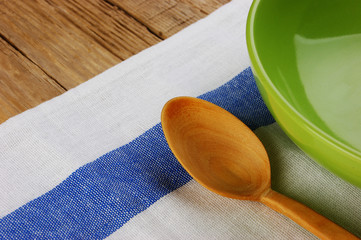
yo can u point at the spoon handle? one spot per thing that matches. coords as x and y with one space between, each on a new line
305 217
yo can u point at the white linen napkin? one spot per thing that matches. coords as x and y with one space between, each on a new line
93 163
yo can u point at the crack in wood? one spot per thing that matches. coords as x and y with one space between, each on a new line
28 58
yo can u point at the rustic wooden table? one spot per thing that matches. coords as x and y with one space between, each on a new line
50 46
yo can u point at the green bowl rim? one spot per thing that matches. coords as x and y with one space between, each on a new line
258 68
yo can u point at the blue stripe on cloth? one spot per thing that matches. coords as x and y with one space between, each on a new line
101 196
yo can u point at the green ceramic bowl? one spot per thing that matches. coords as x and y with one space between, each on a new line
306 58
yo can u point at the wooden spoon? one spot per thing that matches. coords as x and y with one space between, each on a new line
225 156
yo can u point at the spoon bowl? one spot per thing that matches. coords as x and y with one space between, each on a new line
225 156
207 153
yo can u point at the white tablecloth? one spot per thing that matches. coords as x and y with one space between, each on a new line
93 163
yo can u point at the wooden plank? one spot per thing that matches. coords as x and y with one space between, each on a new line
165 18
22 84
72 41
48 46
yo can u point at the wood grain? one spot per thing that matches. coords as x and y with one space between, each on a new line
206 6
108 25
49 34
20 83
50 46
165 18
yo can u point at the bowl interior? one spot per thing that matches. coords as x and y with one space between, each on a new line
310 52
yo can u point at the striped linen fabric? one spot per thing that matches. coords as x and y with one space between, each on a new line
93 163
